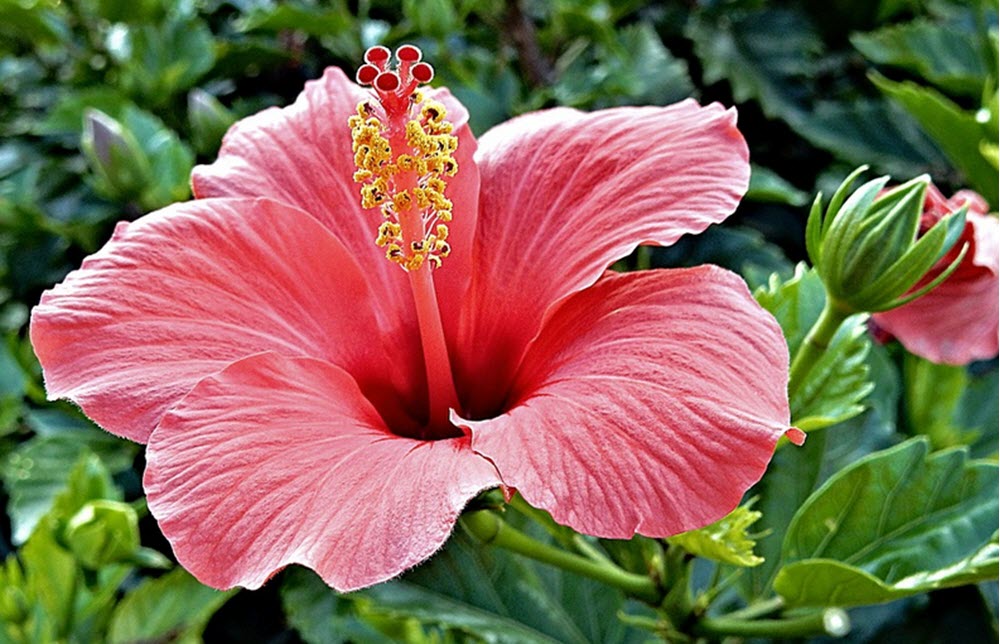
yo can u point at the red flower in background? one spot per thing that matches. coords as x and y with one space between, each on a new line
957 321
307 401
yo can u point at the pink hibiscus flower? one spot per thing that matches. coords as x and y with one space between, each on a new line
304 400
956 322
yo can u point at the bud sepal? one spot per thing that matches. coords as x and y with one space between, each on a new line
867 248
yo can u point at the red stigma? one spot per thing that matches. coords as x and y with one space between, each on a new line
394 86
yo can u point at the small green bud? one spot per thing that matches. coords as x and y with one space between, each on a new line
866 246
121 168
103 532
209 120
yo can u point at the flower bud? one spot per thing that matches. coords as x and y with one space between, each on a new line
121 168
866 246
209 120
103 532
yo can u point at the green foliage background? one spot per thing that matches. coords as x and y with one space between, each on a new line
906 86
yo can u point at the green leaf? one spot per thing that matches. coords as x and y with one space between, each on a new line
873 132
501 597
743 250
65 118
826 582
908 520
51 576
766 55
158 62
950 405
315 21
406 600
175 607
38 22
171 160
35 473
322 616
949 56
955 131
726 540
767 186
836 386
69 425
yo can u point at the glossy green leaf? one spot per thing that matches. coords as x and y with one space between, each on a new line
955 131
744 50
502 597
726 540
838 384
175 607
827 582
949 56
873 132
407 601
322 616
910 520
767 186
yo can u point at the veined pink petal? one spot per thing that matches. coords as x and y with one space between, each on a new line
564 194
179 294
958 321
282 460
301 155
650 402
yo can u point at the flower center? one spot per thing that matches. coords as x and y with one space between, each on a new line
403 149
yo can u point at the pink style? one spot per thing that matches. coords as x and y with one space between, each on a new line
312 394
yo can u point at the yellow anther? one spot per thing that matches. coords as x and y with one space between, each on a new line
402 159
401 201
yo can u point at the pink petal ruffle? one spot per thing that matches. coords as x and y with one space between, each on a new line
564 194
649 403
178 294
278 460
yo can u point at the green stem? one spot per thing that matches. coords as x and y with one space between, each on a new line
816 342
829 621
489 528
758 609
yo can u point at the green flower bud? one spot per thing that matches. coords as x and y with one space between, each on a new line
209 120
866 247
103 532
121 168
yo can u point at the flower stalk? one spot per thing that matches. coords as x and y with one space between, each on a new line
489 528
832 622
816 342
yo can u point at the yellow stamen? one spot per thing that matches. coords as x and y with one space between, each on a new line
403 159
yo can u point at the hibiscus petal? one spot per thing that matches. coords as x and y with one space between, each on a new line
281 460
301 155
958 321
566 193
181 293
649 403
